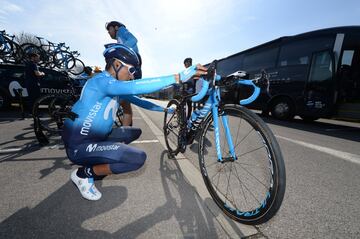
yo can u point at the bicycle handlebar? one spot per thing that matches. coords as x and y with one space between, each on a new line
254 95
202 92
206 80
228 81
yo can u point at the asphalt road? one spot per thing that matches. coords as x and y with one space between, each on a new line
166 198
323 184
158 201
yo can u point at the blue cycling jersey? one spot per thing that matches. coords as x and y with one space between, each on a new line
126 38
99 101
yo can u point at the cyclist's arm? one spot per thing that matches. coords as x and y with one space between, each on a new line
114 87
127 38
143 103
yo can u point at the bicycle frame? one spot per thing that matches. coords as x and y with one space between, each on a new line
215 100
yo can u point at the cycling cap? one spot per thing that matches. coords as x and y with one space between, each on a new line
122 53
113 24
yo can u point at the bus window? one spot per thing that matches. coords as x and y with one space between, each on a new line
230 65
321 69
347 57
299 52
261 59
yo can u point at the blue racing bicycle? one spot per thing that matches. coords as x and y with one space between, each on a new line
239 157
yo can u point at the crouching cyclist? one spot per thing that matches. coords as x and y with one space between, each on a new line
90 140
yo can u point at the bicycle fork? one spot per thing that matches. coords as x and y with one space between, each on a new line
225 122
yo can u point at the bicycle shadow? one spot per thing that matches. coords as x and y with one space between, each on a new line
194 220
189 210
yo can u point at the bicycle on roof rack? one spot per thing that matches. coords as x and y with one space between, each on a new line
239 158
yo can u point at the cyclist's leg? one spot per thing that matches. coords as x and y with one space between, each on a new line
120 157
196 119
102 158
127 113
124 134
189 109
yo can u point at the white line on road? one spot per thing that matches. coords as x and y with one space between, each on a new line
354 158
145 141
11 150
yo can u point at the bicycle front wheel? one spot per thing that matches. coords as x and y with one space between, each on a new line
248 184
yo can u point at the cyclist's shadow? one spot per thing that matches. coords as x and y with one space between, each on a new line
62 214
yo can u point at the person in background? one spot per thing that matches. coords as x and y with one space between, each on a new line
190 87
122 35
32 83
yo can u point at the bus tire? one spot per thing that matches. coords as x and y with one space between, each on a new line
282 109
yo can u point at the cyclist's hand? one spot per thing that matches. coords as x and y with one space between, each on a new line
193 72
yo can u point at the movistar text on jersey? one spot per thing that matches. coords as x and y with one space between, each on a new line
89 119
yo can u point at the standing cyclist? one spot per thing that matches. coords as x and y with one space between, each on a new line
90 140
190 88
119 32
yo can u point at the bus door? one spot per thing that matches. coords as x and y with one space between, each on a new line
349 78
320 87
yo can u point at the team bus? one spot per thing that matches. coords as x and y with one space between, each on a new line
313 75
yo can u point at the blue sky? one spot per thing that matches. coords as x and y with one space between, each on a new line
169 31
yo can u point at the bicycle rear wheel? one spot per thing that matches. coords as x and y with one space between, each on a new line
49 113
250 187
173 127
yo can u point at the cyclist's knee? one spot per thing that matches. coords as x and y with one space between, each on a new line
140 160
136 163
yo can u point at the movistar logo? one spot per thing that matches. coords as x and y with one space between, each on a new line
96 148
112 105
91 147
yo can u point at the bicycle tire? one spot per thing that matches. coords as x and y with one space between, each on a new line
265 199
43 113
173 127
78 67
63 59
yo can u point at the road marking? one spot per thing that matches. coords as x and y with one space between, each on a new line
11 150
194 177
145 141
354 158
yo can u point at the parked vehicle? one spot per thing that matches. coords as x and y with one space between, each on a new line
313 75
12 79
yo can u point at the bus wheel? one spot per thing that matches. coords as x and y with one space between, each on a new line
283 109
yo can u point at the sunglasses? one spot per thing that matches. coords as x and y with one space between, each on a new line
131 69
